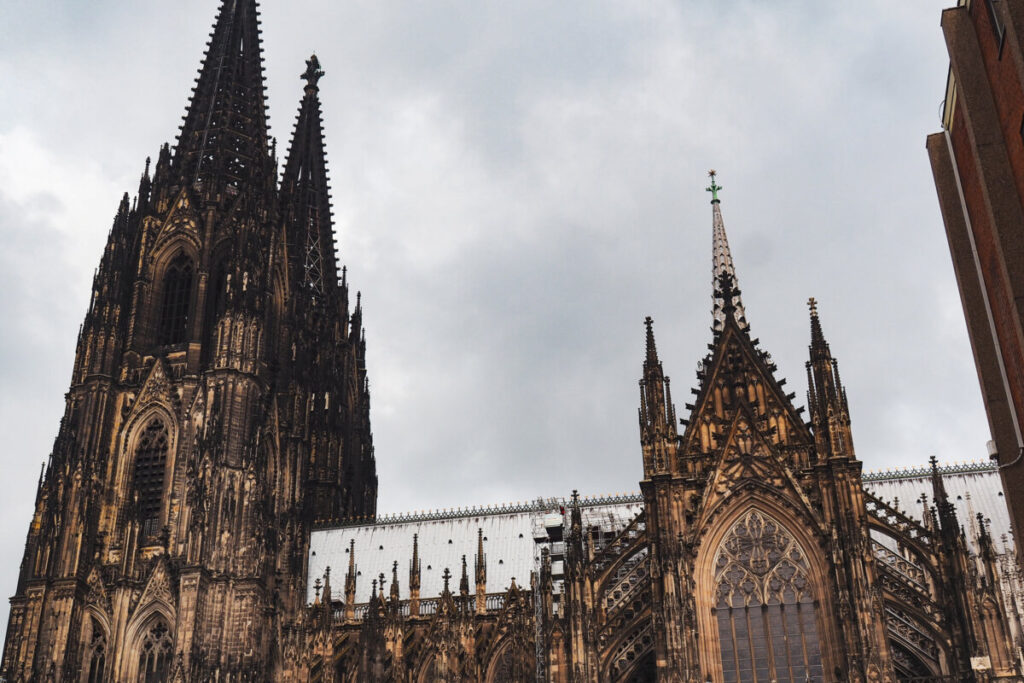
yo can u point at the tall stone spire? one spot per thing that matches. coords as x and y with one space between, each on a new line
224 135
658 434
723 271
826 397
306 199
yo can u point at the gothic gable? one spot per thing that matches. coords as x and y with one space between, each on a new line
738 373
159 588
750 460
156 389
181 219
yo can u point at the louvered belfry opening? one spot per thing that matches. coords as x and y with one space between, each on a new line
175 301
765 609
150 466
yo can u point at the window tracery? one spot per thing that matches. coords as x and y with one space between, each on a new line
176 298
148 483
155 654
765 606
96 654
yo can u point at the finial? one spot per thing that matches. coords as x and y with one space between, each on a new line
714 187
812 304
447 575
313 72
652 349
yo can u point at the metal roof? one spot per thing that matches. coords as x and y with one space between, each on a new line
973 487
509 546
510 529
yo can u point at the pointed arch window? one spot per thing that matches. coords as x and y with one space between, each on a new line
765 607
148 479
155 654
175 301
96 655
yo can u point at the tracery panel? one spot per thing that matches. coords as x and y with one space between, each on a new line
765 607
155 654
96 655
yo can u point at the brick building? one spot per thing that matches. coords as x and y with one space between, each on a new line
978 164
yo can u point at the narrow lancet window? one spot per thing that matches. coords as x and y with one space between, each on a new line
765 607
155 654
175 301
150 466
97 655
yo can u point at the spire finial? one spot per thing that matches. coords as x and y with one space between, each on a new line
313 72
652 350
714 187
726 294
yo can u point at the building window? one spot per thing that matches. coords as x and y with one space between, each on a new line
148 482
765 608
997 23
96 655
155 654
174 305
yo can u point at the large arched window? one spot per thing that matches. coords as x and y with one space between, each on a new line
175 301
96 655
148 480
155 654
765 607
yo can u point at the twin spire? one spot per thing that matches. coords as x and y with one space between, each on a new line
224 143
224 134
305 192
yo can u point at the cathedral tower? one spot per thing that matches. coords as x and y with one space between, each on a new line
218 406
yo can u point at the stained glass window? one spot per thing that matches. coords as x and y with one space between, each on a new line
765 606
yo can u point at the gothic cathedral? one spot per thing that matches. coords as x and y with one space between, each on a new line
215 461
218 405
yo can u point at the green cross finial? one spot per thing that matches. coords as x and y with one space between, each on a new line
715 187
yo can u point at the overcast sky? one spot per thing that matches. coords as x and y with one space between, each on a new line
516 185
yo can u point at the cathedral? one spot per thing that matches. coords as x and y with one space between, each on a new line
208 511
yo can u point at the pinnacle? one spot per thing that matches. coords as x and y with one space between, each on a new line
652 350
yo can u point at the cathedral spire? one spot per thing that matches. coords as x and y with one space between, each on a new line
306 195
826 397
658 434
350 581
224 135
726 294
414 577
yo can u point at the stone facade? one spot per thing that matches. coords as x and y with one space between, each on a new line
218 406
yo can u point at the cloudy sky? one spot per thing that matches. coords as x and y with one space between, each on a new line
516 185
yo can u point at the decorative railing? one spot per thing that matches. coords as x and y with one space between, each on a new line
896 520
907 569
620 544
534 506
629 580
494 602
903 626
926 471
